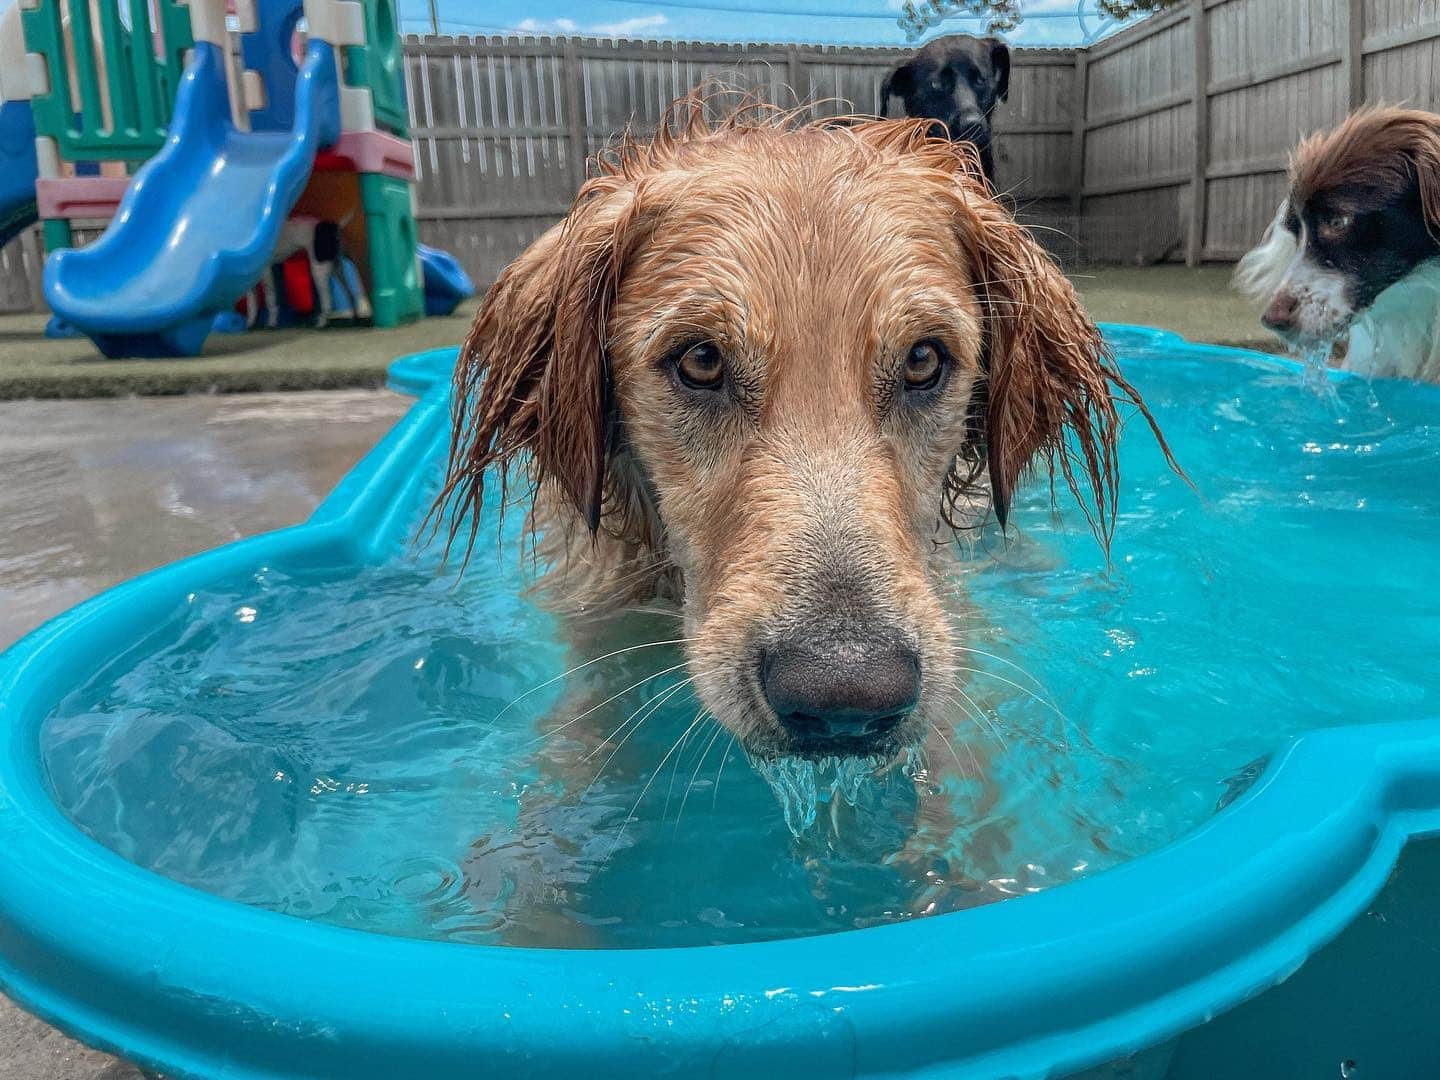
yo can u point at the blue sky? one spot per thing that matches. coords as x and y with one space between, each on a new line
838 22
873 22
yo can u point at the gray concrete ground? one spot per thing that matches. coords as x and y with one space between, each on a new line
94 492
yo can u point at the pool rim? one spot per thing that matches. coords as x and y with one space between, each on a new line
201 986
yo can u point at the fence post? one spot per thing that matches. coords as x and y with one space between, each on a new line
1081 98
572 74
33 264
1200 32
795 71
1352 46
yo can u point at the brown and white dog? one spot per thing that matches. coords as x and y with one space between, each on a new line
320 241
1352 259
758 371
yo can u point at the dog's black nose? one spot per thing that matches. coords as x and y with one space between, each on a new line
840 692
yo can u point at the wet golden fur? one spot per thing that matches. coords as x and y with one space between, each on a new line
813 254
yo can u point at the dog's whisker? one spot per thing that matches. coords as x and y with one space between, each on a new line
668 613
720 769
973 710
985 717
946 740
653 702
638 716
679 760
999 659
970 750
619 694
1068 727
587 663
667 695
1023 689
968 707
705 713
645 790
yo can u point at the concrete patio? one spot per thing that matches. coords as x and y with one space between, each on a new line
98 491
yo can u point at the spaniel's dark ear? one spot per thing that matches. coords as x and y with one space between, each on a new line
895 89
1427 169
1000 65
532 382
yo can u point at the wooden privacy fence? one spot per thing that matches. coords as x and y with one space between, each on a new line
1189 115
502 127
1167 140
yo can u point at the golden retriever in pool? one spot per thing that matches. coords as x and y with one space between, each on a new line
763 370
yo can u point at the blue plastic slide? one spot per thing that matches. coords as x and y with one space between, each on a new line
446 282
200 220
17 169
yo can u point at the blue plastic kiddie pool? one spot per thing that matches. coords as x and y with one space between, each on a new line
128 924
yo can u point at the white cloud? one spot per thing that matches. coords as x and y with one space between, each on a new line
640 24
547 26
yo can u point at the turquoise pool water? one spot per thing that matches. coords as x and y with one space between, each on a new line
340 747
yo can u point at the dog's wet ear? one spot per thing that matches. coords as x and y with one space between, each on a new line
1051 392
1000 65
895 89
532 385
1427 168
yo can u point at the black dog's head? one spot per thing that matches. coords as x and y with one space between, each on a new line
955 80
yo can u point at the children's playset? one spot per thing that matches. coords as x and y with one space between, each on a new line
198 130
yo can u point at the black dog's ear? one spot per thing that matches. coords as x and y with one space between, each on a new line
1000 65
898 83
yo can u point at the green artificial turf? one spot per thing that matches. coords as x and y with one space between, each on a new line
1197 303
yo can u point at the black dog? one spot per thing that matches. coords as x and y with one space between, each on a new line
957 81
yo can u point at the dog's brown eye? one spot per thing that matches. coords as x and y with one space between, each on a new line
1335 226
701 366
924 365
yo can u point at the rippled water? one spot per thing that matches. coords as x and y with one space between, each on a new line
340 747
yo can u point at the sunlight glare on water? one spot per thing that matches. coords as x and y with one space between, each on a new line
338 746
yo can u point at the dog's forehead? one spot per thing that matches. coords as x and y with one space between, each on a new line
821 209
817 266
789 242
957 48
